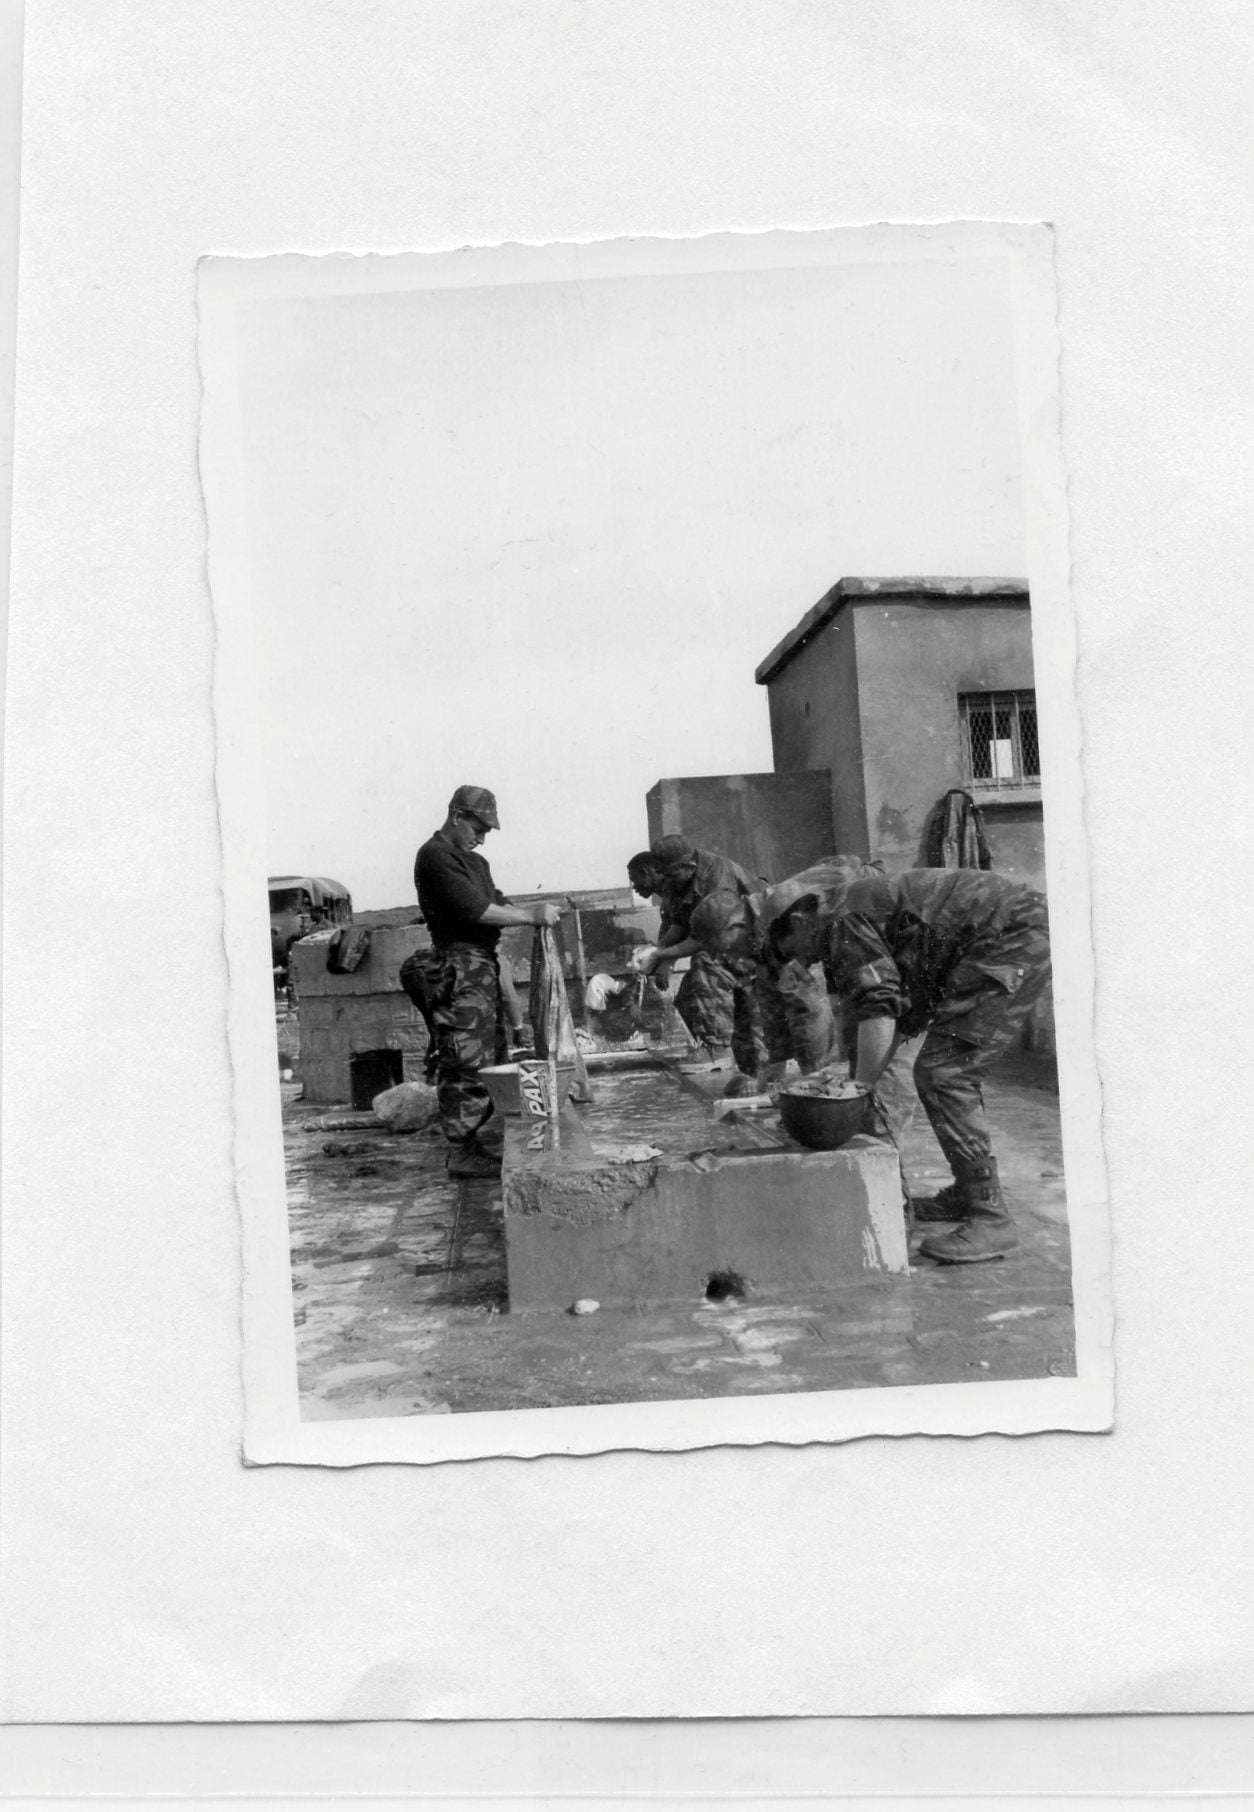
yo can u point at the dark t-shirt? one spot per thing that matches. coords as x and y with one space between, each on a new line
454 888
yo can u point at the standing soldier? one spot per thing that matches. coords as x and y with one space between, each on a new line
712 993
960 954
456 985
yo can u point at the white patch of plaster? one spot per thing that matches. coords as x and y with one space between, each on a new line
755 1340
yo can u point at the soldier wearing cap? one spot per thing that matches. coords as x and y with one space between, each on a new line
456 985
711 998
961 955
791 1010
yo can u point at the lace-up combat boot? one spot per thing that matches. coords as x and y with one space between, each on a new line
986 1231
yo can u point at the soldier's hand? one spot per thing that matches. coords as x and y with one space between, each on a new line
545 912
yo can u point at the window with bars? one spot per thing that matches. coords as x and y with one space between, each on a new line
1000 751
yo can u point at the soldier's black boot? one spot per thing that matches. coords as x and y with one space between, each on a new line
473 1159
946 1205
987 1231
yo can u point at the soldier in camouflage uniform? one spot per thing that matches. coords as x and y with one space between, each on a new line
962 955
796 1010
456 985
789 1013
682 877
722 991
458 992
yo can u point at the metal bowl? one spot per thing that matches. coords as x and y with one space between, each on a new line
501 1082
821 1121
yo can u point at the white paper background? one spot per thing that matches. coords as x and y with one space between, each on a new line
146 1574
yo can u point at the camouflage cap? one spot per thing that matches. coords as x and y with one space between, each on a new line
782 900
673 852
820 888
479 802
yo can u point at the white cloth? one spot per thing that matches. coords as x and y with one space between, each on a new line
599 990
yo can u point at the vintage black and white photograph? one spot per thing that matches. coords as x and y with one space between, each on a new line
644 718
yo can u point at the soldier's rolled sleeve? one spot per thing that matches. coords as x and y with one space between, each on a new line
863 972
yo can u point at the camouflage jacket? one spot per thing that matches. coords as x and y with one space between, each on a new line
715 874
899 946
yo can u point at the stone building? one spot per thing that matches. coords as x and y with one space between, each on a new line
901 689
886 695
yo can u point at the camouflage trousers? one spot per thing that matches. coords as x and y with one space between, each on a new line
458 992
796 1013
989 1000
718 1002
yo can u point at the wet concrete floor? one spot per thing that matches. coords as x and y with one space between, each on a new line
399 1286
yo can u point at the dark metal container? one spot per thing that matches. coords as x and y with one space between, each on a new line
821 1122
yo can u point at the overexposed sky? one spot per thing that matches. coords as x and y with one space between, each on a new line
538 536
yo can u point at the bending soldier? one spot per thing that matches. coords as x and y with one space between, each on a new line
683 876
788 1004
456 985
963 955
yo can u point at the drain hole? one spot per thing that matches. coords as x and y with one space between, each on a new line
725 1286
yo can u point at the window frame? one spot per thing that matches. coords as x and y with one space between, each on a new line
1021 783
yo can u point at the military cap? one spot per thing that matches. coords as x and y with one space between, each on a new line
822 887
785 898
673 852
479 802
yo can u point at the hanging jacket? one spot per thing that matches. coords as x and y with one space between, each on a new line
957 838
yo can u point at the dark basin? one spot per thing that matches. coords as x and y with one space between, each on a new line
819 1121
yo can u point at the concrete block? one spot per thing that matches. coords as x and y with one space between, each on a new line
786 1221
308 964
314 1011
391 944
325 1080
360 982
408 1038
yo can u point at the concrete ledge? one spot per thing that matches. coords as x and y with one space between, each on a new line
786 1221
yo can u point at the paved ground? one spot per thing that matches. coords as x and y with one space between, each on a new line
401 1308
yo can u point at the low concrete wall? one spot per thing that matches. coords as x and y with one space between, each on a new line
792 1221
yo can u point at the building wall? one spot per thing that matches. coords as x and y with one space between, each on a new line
773 824
913 660
815 723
